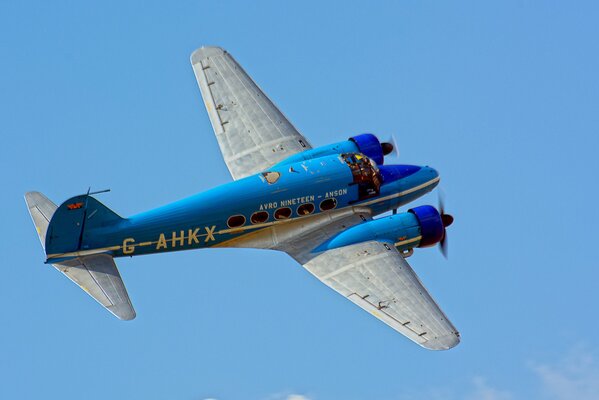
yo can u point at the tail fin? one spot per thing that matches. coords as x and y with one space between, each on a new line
65 226
72 219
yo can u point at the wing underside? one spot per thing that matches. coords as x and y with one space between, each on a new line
377 278
372 274
251 131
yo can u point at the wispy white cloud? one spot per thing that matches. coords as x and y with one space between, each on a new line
297 397
483 391
288 396
477 389
574 377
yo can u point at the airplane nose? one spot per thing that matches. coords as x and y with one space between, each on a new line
431 172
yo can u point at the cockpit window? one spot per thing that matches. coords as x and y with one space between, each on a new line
271 177
365 172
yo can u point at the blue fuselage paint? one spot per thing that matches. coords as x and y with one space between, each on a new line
202 220
400 230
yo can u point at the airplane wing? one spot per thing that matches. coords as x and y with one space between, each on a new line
96 274
377 278
251 131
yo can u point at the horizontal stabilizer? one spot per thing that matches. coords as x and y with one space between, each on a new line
96 274
41 210
99 277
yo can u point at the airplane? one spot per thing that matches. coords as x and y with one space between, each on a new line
317 204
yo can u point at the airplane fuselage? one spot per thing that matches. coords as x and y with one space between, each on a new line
284 194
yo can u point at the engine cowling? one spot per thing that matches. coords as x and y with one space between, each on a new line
419 227
366 143
370 146
431 225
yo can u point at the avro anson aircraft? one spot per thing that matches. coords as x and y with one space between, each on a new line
316 204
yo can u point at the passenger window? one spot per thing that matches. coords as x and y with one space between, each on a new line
271 177
283 213
305 209
328 204
236 221
259 217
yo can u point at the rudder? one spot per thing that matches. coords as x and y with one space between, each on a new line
72 219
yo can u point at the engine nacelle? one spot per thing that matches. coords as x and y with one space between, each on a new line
369 145
366 143
431 225
419 227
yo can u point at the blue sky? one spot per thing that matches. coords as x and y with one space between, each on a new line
501 97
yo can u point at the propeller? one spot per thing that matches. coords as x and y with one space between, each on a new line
390 147
447 220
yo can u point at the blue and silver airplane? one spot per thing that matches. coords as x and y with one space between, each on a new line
316 204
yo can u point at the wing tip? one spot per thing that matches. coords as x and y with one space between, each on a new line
123 311
127 316
206 51
444 342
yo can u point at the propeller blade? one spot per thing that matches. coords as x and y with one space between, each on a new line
443 245
390 147
447 220
441 201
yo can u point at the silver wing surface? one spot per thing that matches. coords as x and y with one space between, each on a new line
372 274
377 278
96 274
251 131
99 277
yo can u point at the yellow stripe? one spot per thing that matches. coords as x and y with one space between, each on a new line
412 190
417 238
244 228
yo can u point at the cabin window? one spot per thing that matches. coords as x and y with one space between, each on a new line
259 217
236 221
305 209
283 213
328 204
271 177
